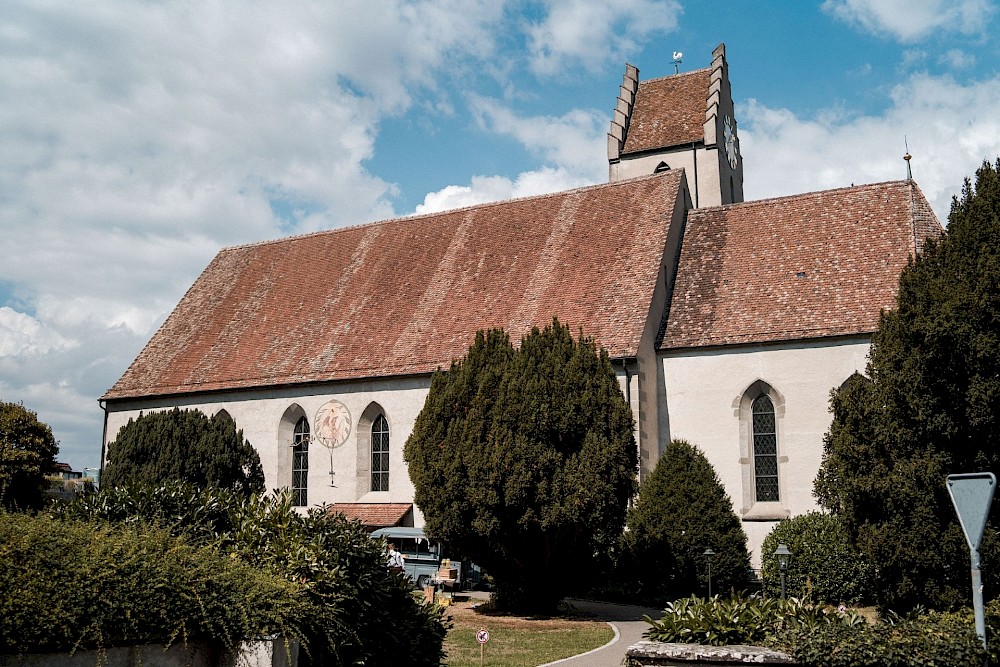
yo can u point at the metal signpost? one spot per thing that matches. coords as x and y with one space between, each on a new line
972 495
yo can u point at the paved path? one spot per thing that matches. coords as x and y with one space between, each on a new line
626 620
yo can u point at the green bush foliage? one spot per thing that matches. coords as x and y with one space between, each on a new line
358 611
748 620
523 460
930 640
824 567
185 446
821 636
27 454
931 408
683 509
71 585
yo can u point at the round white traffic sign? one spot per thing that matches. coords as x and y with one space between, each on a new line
483 636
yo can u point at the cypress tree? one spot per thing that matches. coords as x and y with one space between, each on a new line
186 446
932 408
682 510
523 460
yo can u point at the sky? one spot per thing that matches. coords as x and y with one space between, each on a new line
138 138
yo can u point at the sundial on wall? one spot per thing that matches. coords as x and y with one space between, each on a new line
332 427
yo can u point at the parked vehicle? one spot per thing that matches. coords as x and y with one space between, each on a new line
422 559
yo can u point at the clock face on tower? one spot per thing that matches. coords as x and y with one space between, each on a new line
729 135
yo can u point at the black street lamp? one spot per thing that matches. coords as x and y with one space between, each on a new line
782 554
708 554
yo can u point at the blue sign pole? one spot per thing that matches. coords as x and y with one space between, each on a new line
972 495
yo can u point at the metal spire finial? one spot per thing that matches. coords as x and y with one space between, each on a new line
907 157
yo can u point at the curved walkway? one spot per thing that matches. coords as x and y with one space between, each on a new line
626 620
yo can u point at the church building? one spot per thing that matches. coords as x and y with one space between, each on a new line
728 322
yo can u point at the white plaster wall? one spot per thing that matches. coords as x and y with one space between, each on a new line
703 389
647 409
709 191
258 414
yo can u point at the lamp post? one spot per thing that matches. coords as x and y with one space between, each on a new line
782 554
708 554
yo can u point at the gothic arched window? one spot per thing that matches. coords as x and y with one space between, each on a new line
765 450
300 463
380 454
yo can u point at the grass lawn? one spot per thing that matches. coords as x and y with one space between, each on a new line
517 641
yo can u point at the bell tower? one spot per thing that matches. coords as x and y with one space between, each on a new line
683 121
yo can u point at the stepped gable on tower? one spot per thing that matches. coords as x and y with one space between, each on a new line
406 296
668 112
813 265
684 121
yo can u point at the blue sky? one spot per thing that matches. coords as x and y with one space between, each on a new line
138 138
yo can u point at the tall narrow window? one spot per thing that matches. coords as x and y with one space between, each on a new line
300 463
765 450
380 454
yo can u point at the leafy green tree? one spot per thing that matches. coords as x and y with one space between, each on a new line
523 460
824 567
682 510
27 454
186 446
931 408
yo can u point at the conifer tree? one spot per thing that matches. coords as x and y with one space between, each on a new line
932 408
27 454
186 446
523 460
682 510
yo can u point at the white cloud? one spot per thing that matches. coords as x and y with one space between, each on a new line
484 189
138 138
913 20
957 59
951 128
22 334
573 146
575 141
579 33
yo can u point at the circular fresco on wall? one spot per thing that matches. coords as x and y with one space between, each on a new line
333 424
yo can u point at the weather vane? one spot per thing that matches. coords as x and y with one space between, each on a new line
677 60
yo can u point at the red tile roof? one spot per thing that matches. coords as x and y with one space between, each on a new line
407 295
669 111
808 266
373 515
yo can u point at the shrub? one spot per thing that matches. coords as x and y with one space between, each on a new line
683 509
358 612
740 620
930 640
824 566
74 585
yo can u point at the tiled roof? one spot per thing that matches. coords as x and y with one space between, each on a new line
373 515
407 295
669 111
813 265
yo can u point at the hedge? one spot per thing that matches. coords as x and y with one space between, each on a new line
71 585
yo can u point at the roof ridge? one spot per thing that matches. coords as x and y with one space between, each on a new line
460 209
805 195
677 76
